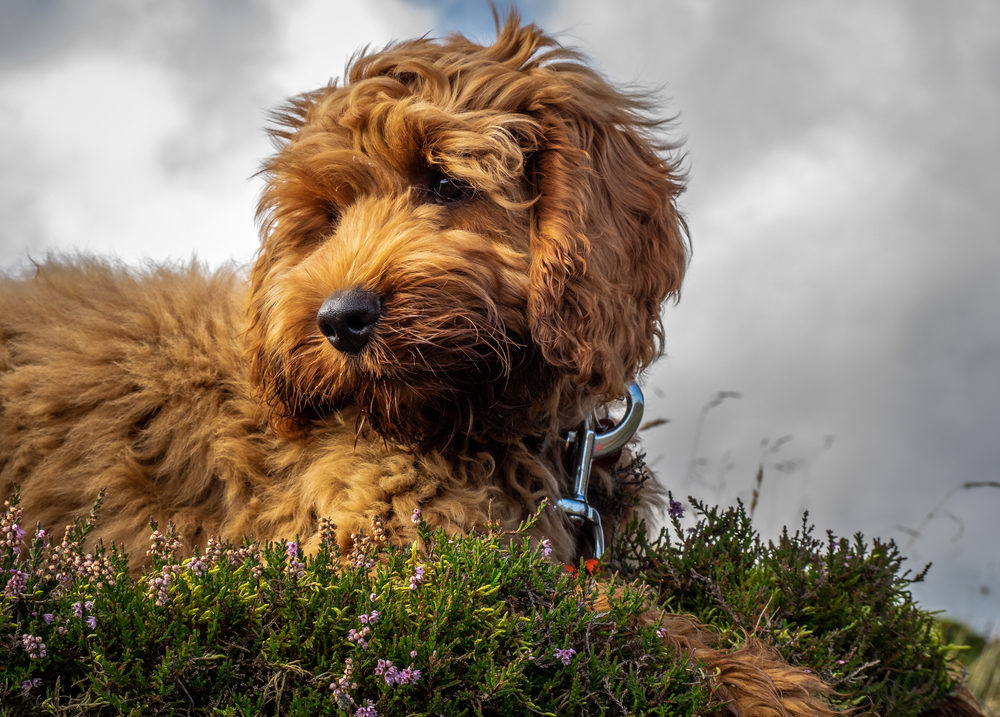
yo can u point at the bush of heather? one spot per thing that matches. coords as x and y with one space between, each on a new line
837 605
483 625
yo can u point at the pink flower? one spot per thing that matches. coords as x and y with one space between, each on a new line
546 548
565 655
33 646
417 578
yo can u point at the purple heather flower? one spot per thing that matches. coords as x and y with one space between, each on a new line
343 685
416 515
33 646
393 676
78 609
29 685
48 617
546 548
359 636
565 655
367 711
371 597
413 653
92 622
88 605
417 578
17 583
408 676
197 566
676 509
292 548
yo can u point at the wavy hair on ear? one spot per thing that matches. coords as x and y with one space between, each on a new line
608 244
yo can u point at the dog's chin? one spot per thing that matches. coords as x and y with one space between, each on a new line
446 413
450 409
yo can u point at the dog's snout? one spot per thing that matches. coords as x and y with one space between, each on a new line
347 318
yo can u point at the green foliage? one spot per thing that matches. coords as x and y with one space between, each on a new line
479 625
838 606
483 625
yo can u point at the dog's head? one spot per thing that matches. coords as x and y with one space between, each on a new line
458 233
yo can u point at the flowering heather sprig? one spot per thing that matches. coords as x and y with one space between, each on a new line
367 711
546 548
328 533
17 584
359 636
247 553
97 570
159 586
197 565
417 577
28 685
11 533
675 509
377 530
214 550
33 646
343 684
415 518
393 676
565 655
164 546
60 562
295 566
363 550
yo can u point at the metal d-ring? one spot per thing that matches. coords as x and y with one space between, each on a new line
594 445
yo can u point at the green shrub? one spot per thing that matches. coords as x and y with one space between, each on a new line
838 606
458 626
480 625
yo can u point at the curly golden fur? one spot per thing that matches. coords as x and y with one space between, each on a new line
506 221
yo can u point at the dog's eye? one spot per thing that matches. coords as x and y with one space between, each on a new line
448 190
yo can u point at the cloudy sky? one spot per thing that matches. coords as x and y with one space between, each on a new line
843 207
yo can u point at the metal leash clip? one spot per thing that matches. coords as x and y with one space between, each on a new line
592 445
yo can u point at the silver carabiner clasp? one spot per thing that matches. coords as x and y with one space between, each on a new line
592 445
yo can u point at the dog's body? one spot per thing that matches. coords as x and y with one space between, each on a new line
464 254
137 382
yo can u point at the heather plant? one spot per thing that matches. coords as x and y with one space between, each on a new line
839 606
482 625
478 625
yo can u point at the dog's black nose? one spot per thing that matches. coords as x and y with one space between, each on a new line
347 318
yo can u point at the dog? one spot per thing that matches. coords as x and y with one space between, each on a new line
464 254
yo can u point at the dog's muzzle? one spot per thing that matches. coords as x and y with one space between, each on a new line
347 318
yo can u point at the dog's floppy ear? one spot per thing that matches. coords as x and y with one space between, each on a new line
608 245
